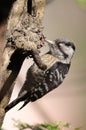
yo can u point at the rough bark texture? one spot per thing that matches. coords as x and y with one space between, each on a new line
23 38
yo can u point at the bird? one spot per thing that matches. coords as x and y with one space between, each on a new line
39 82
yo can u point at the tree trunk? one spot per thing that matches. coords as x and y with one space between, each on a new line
22 38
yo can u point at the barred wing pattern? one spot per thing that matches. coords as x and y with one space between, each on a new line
38 82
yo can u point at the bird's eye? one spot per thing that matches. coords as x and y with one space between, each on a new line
71 45
68 44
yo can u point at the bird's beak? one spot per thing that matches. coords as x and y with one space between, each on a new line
49 41
47 47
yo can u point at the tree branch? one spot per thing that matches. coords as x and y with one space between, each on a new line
23 38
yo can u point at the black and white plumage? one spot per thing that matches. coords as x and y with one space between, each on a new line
38 82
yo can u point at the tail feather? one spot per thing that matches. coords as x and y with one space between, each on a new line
15 102
25 103
12 104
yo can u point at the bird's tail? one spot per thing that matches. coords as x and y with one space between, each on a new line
25 102
15 102
12 104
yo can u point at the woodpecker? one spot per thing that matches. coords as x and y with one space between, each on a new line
38 82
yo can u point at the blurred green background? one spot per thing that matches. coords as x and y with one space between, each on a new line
63 19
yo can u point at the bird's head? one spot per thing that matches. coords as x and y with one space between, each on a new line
62 49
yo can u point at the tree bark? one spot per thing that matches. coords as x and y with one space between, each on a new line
23 37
